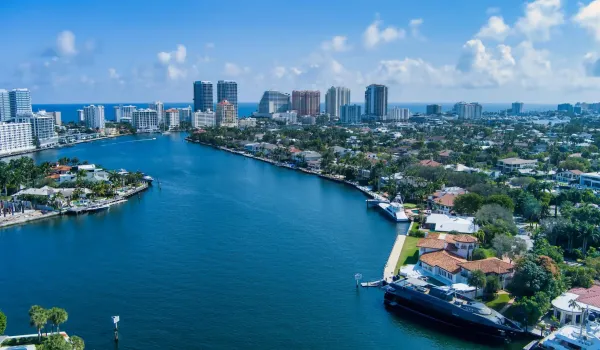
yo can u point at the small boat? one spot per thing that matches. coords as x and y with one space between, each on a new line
98 208
374 283
148 178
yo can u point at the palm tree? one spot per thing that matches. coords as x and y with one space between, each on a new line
57 316
38 318
477 280
77 343
588 233
574 306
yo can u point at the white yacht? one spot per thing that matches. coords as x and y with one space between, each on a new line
585 337
394 210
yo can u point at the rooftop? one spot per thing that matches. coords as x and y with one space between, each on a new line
444 260
489 265
514 161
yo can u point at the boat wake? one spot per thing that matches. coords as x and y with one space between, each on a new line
118 143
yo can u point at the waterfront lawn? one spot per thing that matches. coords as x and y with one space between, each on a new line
410 205
409 253
21 341
499 301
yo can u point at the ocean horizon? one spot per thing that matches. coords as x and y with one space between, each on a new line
245 109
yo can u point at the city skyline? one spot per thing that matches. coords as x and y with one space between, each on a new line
540 51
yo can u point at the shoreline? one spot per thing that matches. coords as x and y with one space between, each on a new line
54 214
21 153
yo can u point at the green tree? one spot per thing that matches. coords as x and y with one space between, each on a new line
479 254
492 284
2 322
56 342
77 343
57 316
468 203
477 279
532 308
502 200
38 318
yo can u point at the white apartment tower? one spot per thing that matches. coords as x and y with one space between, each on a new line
145 120
159 107
205 119
398 114
334 98
172 118
93 117
15 137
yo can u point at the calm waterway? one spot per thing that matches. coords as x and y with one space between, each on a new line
229 253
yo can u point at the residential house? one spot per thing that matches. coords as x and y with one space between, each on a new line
445 223
590 180
444 156
585 298
568 176
430 163
443 201
510 165
307 156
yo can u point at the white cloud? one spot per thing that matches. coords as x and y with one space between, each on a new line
495 29
178 55
233 70
415 25
210 45
279 72
337 44
588 17
65 43
175 73
112 73
541 16
492 10
373 35
84 79
591 64
485 68
534 65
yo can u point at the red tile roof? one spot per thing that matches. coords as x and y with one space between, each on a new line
589 296
431 243
431 163
446 200
443 260
465 239
489 265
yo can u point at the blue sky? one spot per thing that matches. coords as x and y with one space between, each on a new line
542 51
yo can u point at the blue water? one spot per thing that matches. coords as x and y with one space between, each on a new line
245 109
228 253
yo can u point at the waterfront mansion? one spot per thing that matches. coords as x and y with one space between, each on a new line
446 257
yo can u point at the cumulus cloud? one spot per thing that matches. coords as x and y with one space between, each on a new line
494 29
541 16
591 64
374 35
487 68
415 26
588 17
234 70
338 44
112 73
65 43
177 56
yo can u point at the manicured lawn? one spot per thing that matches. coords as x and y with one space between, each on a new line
410 205
498 302
409 253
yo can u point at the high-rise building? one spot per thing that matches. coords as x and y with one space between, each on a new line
517 108
145 120
227 90
185 114
57 117
274 102
203 96
398 114
350 114
20 102
117 113
306 102
565 107
172 118
127 113
93 117
42 127
468 110
433 109
159 107
80 116
376 100
226 114
15 137
4 106
334 98
204 119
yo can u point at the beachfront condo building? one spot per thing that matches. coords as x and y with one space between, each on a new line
226 114
306 102
15 137
204 119
336 97
433 109
145 120
398 114
172 118
159 107
517 108
350 114
4 106
468 110
20 102
203 96
227 90
185 114
93 117
273 102
42 128
376 100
